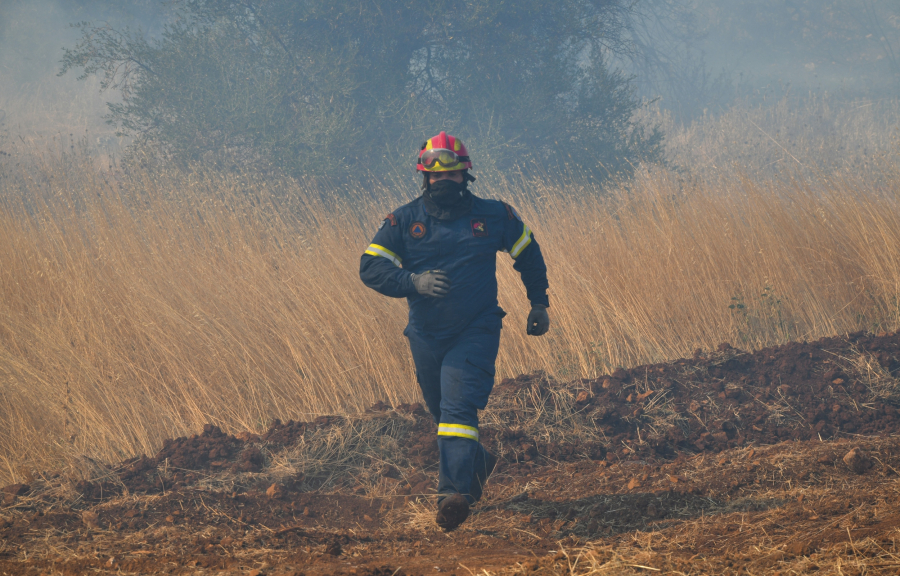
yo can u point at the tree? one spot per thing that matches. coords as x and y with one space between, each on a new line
317 86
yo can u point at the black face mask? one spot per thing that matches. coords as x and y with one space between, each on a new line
447 200
446 193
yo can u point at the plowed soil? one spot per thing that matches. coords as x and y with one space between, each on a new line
726 462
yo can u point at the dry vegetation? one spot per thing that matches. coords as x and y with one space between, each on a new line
805 136
140 306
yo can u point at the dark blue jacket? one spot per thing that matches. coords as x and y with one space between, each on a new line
410 241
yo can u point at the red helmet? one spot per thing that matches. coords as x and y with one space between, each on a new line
443 153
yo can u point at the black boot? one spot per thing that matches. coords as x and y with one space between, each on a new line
452 511
484 466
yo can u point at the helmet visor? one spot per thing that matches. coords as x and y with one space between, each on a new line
441 158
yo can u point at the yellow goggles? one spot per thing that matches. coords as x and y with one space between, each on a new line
441 156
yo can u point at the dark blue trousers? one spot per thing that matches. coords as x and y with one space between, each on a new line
456 375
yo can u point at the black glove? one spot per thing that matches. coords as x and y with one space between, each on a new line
433 283
538 320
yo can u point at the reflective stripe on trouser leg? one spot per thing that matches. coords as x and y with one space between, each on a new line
467 378
459 430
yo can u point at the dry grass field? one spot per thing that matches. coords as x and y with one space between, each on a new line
789 136
139 306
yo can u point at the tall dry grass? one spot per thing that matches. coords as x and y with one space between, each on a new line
58 114
808 136
139 307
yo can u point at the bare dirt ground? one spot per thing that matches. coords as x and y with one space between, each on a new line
783 461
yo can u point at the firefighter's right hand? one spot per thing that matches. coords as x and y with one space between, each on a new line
433 283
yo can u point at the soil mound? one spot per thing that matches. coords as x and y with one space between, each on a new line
799 391
708 403
780 461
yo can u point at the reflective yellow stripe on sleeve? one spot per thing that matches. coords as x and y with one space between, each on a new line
523 241
458 430
376 250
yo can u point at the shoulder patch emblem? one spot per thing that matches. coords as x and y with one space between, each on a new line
479 228
511 212
417 230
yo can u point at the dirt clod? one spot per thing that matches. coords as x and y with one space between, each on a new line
16 489
275 491
90 519
800 548
858 461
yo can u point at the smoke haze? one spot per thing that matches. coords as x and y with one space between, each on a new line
35 103
695 56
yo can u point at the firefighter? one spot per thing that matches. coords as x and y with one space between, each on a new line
439 252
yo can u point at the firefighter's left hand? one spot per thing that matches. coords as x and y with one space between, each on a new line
538 320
